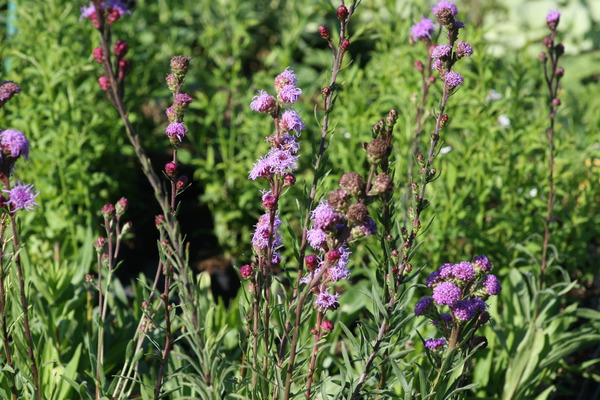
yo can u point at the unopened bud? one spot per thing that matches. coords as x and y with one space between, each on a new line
246 271
182 182
324 32
104 83
419 65
377 151
180 65
547 41
333 256
268 201
392 116
123 68
339 200
108 211
289 179
171 169
556 102
98 55
560 49
121 206
113 15
421 159
327 326
542 57
559 72
443 120
342 13
145 305
325 91
311 262
431 79
345 45
100 244
120 48
159 220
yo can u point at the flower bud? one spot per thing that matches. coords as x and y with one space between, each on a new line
339 200
345 45
268 201
392 116
98 55
100 244
246 271
377 151
180 65
547 42
182 182
431 79
542 57
113 16
104 83
327 325
121 206
289 179
145 305
357 213
352 183
419 65
559 72
311 261
108 211
560 49
325 91
172 83
324 32
7 90
123 68
120 48
342 13
556 102
171 169
159 220
332 256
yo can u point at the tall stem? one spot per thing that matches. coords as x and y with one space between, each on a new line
5 337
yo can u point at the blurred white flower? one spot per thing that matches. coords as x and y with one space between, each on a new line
503 121
445 150
493 95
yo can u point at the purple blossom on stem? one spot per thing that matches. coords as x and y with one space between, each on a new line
263 102
316 238
327 301
423 305
463 49
290 143
339 270
290 94
446 271
286 78
435 344
7 90
119 6
492 285
324 216
552 19
445 4
22 197
290 121
176 130
14 143
464 271
482 263
442 51
465 310
260 240
453 79
89 11
422 30
446 293
432 279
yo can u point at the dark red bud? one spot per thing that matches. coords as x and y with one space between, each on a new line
120 48
324 32
431 79
556 102
345 45
419 65
311 262
289 179
113 15
342 13
327 326
104 83
182 182
542 57
98 55
559 72
246 271
547 42
326 91
333 256
171 169
159 220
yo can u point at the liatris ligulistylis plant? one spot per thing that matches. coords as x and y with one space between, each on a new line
552 76
16 196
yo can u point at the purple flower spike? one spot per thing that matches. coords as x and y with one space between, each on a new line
263 102
176 130
492 285
446 293
422 30
324 216
552 19
316 238
260 240
453 79
290 94
435 344
290 121
14 143
22 197
445 4
423 305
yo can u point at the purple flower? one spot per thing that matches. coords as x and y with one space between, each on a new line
327 301
442 51
290 94
263 102
465 310
446 271
286 78
463 271
340 271
22 197
446 320
14 143
552 19
290 121
445 4
290 143
446 293
432 279
89 11
435 344
463 49
176 130
482 263
422 30
119 6
316 238
365 229
492 284
261 169
438 65
453 79
423 305
324 216
458 24
260 240
7 90
281 160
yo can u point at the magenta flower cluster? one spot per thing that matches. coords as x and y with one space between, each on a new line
176 129
444 56
281 158
14 145
463 288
